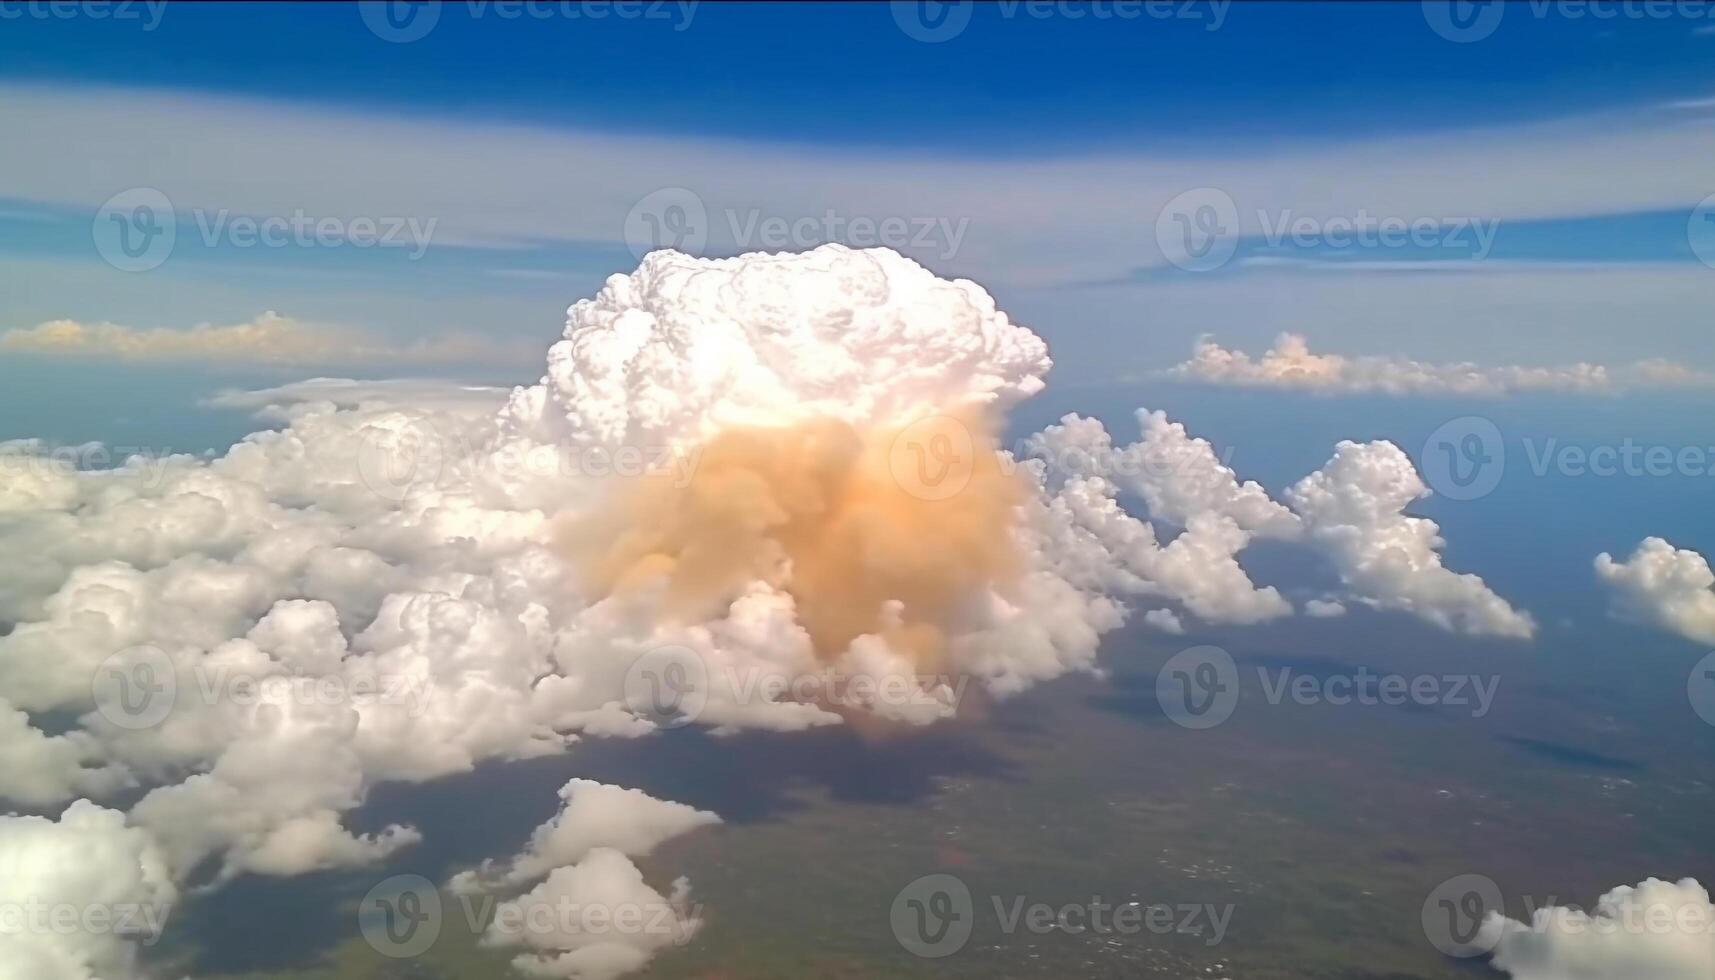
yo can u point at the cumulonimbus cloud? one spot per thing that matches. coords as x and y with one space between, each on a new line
382 589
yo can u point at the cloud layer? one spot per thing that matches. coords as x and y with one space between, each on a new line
1290 364
378 591
268 339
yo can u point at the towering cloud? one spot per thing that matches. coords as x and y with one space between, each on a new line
760 492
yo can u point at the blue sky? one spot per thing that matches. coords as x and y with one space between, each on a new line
1039 150
846 74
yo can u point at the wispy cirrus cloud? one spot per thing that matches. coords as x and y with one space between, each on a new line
1052 220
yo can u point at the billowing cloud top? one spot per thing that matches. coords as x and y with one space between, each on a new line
684 347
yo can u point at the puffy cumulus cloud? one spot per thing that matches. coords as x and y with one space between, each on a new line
594 920
592 815
269 338
1668 587
1658 930
684 348
1291 364
741 464
590 915
1354 511
89 869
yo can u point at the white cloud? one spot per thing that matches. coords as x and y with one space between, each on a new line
594 920
592 815
1669 587
1290 364
1354 510
86 864
378 591
1658 930
1324 609
444 396
267 339
1049 222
